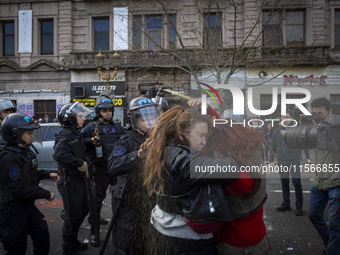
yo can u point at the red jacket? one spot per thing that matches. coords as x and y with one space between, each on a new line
243 232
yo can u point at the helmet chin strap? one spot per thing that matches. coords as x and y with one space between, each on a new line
142 132
25 145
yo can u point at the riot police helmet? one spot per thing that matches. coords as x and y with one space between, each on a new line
103 102
14 125
7 105
145 108
67 114
161 101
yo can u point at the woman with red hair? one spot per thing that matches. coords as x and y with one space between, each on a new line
246 196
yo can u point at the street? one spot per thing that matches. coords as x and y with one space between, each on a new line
288 234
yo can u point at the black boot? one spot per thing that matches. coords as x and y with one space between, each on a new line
299 210
283 208
94 240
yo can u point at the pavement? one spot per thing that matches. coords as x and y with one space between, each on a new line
288 234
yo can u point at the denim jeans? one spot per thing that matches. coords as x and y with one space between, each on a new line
296 179
318 202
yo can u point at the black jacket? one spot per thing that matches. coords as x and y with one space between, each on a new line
285 154
124 159
63 154
109 134
3 143
19 178
180 161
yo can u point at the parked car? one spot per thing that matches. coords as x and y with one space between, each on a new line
44 138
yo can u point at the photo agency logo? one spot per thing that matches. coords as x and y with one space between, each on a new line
239 104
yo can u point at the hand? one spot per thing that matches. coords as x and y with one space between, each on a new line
144 148
301 116
283 132
93 140
51 196
195 102
54 176
83 168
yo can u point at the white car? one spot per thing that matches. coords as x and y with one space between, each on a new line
44 138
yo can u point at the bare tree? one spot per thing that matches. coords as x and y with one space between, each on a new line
218 37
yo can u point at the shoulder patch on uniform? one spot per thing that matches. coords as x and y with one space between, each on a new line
14 173
119 150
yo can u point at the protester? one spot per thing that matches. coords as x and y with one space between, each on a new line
246 196
306 151
325 189
47 119
19 188
288 158
100 138
71 186
267 134
129 233
167 172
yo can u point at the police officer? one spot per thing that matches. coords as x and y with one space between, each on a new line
100 137
125 162
19 189
157 96
6 107
71 185
161 101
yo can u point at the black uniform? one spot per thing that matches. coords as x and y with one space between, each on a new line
19 189
71 182
3 143
109 135
130 230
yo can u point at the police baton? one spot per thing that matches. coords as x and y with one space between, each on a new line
114 216
78 149
67 206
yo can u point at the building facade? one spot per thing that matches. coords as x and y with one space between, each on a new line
48 49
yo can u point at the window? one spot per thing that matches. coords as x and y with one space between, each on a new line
137 32
172 32
44 107
8 38
151 31
335 101
272 33
274 26
47 37
212 32
154 27
337 28
295 28
101 34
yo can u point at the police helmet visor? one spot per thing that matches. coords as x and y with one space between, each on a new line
150 115
81 110
161 102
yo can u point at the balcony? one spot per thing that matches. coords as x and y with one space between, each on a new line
253 57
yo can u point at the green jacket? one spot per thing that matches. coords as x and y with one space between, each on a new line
330 179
